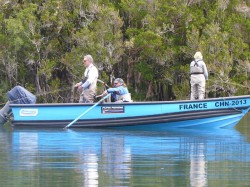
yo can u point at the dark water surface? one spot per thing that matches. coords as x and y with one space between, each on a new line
85 157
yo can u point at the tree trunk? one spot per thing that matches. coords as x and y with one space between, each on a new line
150 90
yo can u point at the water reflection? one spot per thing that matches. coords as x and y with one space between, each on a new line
28 145
88 157
116 157
198 173
88 162
111 160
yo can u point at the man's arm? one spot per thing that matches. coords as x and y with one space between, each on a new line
93 74
205 71
110 90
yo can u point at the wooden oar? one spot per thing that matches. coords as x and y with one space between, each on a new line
105 84
98 96
86 111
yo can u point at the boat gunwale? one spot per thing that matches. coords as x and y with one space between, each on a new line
131 103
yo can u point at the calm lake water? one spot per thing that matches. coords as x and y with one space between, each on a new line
85 157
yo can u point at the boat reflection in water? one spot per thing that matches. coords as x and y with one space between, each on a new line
109 160
198 174
118 158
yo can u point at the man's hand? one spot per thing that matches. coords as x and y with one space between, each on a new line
77 84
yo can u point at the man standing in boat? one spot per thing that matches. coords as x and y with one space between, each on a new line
199 75
88 85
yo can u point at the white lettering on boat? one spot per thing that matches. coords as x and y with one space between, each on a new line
28 112
193 106
231 103
112 109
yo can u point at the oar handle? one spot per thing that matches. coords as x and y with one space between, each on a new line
86 111
98 96
105 84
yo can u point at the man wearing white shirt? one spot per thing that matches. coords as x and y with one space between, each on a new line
88 85
199 75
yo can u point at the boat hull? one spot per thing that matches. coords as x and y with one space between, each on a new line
209 113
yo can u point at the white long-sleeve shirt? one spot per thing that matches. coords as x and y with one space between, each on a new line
201 64
92 74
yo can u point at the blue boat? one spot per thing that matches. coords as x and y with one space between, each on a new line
207 113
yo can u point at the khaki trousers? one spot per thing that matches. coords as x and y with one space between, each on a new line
198 84
87 96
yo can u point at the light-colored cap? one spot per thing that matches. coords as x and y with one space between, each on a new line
198 55
121 81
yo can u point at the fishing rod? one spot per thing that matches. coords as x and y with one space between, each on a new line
43 93
59 90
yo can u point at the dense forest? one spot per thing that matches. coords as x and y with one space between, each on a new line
148 43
